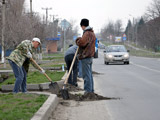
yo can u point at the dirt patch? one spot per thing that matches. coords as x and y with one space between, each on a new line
64 103
72 88
87 97
93 72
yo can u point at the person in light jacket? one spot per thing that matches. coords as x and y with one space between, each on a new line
19 60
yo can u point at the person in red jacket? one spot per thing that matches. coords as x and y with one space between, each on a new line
86 52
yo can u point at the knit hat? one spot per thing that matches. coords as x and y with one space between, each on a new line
84 22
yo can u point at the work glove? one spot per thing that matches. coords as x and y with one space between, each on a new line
42 71
29 55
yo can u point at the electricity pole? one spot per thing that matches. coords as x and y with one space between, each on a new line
46 13
31 8
3 32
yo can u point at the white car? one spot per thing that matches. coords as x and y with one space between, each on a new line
116 53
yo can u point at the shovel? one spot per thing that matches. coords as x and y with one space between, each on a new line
64 91
53 86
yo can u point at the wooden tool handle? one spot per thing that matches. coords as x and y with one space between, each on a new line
66 80
40 69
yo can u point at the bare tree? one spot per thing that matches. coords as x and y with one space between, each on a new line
149 34
112 29
20 25
118 28
153 11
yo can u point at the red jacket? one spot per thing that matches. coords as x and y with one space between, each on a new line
86 44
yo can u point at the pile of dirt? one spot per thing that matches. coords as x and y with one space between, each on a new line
86 97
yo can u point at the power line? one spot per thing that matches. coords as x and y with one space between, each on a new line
46 13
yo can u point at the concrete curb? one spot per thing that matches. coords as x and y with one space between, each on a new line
34 87
44 113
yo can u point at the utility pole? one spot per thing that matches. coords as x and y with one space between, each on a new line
46 13
31 8
3 31
52 17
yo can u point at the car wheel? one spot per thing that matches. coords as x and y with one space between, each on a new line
126 62
106 63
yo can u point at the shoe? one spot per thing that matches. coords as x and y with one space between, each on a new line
88 93
76 85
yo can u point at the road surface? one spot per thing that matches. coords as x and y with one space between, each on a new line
137 84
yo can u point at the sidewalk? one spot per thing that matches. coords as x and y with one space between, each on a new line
75 110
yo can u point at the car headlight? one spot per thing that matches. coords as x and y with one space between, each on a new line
126 55
110 56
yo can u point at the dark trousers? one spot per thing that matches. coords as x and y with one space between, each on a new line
73 76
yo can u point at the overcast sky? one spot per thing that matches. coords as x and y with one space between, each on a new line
97 11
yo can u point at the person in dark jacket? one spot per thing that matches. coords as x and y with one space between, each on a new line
69 55
86 52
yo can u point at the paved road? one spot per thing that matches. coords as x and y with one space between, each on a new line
137 84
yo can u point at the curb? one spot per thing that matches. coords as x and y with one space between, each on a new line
34 87
44 113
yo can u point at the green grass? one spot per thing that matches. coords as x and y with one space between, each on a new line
54 58
54 54
53 65
20 106
144 54
36 77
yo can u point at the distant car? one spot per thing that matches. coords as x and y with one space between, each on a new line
116 53
101 46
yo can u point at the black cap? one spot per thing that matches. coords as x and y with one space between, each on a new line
84 22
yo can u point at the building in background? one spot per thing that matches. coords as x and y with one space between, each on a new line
51 45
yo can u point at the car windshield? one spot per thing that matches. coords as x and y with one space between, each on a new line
116 49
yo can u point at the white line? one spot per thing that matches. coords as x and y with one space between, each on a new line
145 67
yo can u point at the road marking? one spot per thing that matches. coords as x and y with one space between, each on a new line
145 67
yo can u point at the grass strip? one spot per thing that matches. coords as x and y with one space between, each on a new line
20 106
36 77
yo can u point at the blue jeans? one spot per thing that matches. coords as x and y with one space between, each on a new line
87 74
73 75
80 69
21 77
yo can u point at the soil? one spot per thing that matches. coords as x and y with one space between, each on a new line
82 97
88 97
72 88
93 72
